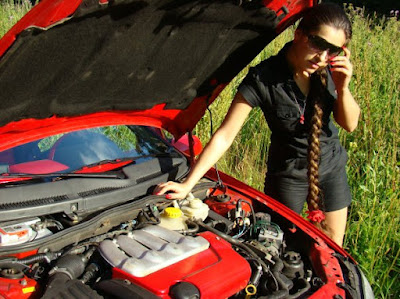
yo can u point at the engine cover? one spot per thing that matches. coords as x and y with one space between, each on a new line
150 249
206 262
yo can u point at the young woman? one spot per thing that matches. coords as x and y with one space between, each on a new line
297 90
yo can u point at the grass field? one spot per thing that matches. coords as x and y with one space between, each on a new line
373 233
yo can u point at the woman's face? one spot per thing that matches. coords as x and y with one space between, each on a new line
314 50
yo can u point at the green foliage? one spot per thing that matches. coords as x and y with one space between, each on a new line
374 168
10 13
373 232
384 7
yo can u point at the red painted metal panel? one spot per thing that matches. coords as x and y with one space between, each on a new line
288 9
328 269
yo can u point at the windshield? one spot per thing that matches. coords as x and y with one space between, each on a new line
73 151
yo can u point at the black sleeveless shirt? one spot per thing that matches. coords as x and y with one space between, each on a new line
270 86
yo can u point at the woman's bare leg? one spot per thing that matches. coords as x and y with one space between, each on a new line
336 222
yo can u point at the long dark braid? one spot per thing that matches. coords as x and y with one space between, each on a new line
315 196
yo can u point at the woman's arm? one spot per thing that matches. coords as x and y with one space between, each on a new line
219 143
346 110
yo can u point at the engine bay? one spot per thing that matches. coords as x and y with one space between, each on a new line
213 244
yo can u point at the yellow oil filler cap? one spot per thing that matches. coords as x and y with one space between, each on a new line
172 212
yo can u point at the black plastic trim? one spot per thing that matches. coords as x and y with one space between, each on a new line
84 195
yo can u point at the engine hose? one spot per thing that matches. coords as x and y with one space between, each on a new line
235 242
70 265
41 257
194 227
67 268
285 283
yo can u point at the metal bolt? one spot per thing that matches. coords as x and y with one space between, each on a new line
127 281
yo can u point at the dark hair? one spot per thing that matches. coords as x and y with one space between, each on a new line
326 14
332 15
315 196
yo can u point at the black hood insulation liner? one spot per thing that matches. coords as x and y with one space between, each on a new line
130 55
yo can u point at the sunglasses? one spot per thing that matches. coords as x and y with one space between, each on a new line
319 44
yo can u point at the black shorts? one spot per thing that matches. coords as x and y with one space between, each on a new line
293 192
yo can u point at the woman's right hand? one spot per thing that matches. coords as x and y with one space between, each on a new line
178 190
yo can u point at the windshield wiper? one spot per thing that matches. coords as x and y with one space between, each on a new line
85 172
125 160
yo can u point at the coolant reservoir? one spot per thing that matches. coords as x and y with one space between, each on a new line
173 219
195 208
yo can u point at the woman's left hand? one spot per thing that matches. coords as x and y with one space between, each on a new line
346 110
342 70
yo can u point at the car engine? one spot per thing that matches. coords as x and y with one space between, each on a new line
210 246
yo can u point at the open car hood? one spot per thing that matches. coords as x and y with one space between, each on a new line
158 62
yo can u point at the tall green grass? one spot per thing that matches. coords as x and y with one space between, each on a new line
373 233
10 13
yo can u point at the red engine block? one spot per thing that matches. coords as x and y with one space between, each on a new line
210 271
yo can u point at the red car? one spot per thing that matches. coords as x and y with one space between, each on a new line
88 89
